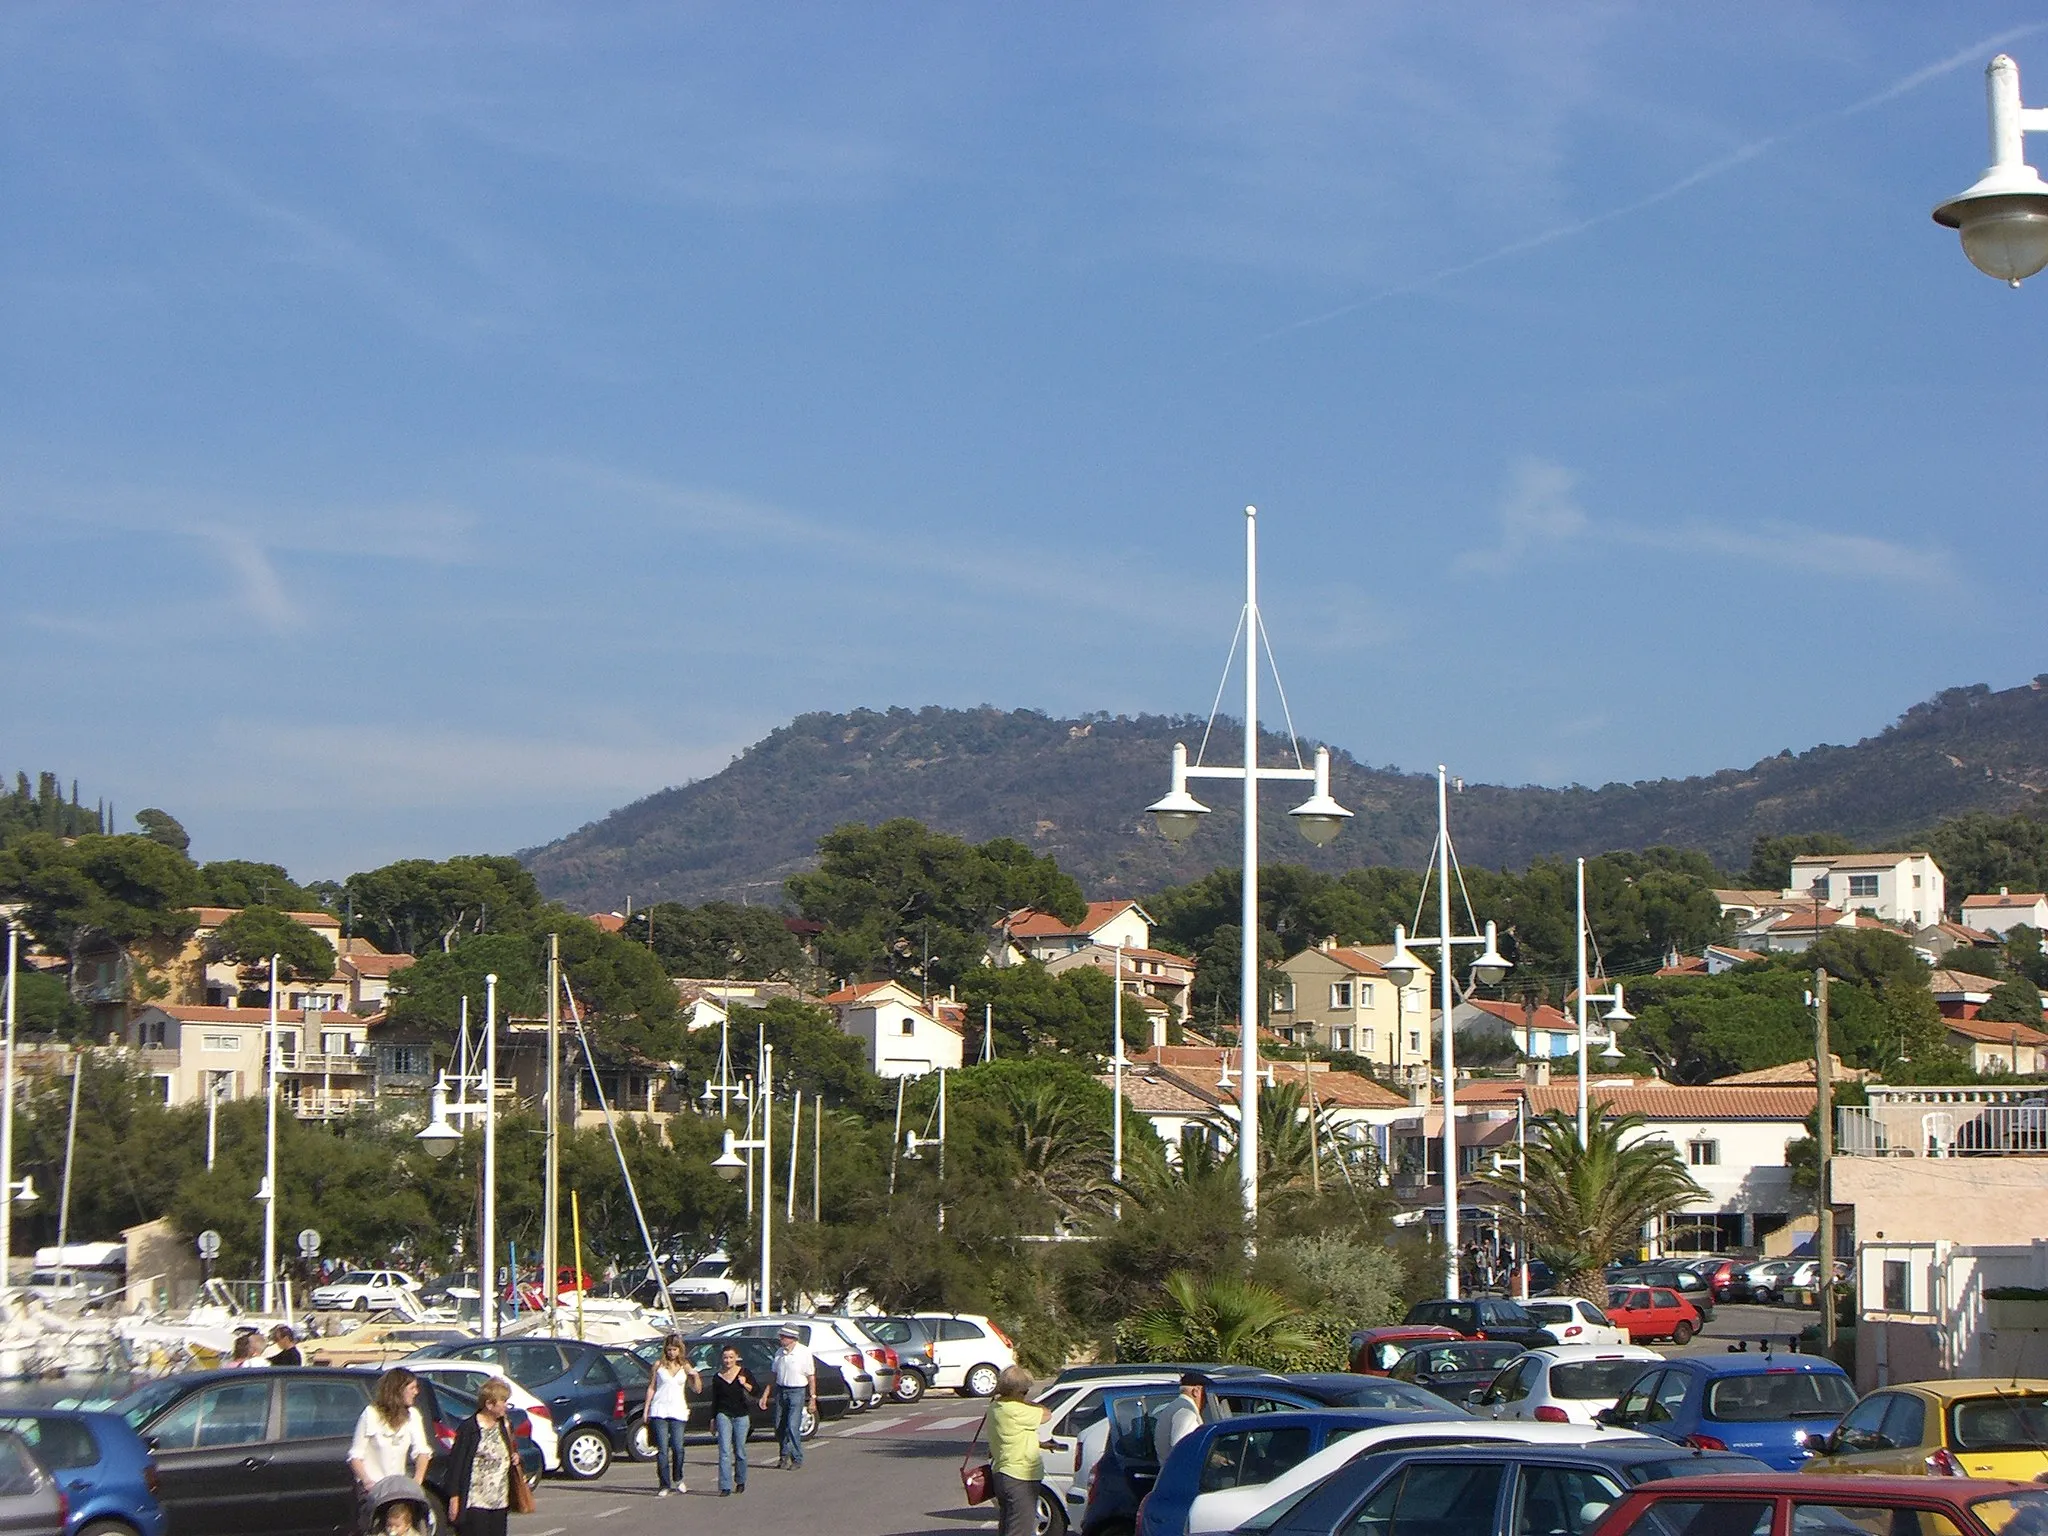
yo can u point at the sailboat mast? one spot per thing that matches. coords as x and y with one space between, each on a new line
551 1232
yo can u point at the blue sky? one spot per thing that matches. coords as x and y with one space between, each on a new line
423 428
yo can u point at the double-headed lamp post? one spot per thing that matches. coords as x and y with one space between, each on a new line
1319 817
1488 969
1616 1014
441 1137
2003 218
731 1165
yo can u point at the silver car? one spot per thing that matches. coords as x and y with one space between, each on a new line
832 1339
29 1502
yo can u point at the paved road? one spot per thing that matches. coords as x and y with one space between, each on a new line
1781 1325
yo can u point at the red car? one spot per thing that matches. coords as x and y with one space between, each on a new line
1787 1504
1652 1312
1374 1351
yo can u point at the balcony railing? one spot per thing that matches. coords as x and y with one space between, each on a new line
321 1104
336 1064
1906 1129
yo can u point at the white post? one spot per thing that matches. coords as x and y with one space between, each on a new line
1248 983
796 1141
1116 1071
212 1117
486 1271
70 1148
767 1170
551 1174
7 1122
942 1127
1583 983
270 1159
2008 131
1447 993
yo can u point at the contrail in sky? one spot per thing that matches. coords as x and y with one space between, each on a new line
1707 172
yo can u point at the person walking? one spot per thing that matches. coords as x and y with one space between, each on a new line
248 1351
733 1391
1014 1458
485 1481
667 1413
391 1436
795 1386
286 1351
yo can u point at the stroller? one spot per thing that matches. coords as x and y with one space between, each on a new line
388 1497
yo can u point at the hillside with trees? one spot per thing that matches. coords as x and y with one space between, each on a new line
1076 790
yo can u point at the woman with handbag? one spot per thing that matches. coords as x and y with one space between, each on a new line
485 1481
1016 1465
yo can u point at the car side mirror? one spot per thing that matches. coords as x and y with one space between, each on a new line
1611 1417
150 1443
1476 1396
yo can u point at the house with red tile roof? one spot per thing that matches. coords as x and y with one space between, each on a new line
326 1068
1149 974
2000 1048
1905 889
1338 997
2006 910
903 1036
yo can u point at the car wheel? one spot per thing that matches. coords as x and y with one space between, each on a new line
1762 1296
980 1381
909 1386
107 1528
1682 1334
641 1442
362 1304
586 1454
1051 1519
807 1423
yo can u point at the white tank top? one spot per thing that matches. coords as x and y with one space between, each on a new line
670 1400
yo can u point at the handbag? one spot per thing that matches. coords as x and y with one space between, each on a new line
979 1482
519 1490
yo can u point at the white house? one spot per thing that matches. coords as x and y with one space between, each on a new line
1902 888
325 1066
1029 934
903 1037
2006 911
1338 997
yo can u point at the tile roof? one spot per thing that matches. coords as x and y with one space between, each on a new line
192 1013
1673 1102
939 1012
1357 960
1960 983
1791 1074
1546 1017
610 922
1995 1034
1735 898
1687 965
1160 1092
213 917
2004 899
859 991
1740 956
1030 923
376 964
1856 860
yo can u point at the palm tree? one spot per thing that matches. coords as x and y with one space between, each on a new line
1224 1318
1062 1146
1586 1205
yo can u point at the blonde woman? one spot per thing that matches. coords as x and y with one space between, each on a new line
668 1413
1014 1458
483 1466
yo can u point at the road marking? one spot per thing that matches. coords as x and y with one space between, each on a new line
606 1514
865 1429
972 1418
553 1530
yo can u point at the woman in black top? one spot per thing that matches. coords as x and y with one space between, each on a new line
733 1392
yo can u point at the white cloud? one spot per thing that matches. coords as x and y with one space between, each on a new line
256 580
1538 509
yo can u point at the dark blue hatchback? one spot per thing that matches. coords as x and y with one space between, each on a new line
105 1471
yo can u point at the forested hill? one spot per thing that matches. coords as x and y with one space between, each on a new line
1077 789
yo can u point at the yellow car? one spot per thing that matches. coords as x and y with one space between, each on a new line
1992 1428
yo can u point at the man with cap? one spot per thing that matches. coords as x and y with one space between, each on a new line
795 1384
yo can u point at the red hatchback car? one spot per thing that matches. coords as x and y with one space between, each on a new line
1787 1504
1375 1351
1652 1312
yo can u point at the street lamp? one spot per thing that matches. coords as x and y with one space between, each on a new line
441 1137
2003 218
732 1167
1487 970
1320 818
1617 1014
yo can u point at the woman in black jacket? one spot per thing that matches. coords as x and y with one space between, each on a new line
485 1482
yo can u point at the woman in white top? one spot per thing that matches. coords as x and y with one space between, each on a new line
668 1412
391 1436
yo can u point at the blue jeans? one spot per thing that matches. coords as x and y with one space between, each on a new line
731 1429
668 1449
789 1423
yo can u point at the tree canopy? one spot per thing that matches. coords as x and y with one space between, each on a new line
254 934
720 939
127 887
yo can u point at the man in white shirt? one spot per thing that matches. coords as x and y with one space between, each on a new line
1180 1417
794 1383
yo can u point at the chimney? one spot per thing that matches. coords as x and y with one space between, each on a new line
1329 943
2004 890
1418 1094
1158 1031
1538 1074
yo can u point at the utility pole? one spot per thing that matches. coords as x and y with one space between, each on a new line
551 1236
1824 1116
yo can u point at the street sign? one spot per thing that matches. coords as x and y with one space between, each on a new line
309 1243
209 1244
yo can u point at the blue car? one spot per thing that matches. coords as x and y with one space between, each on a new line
1240 1451
102 1466
1777 1408
591 1405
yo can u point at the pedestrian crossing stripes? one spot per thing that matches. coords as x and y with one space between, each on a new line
908 1426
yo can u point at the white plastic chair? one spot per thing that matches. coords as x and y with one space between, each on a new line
1938 1132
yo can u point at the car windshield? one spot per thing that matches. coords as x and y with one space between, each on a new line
1690 1466
709 1269
141 1405
354 1277
1385 1392
1551 1311
2015 1423
1594 1379
1780 1394
2023 1512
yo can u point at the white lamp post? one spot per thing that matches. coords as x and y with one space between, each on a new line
11 1193
268 1193
2003 218
1319 817
441 1137
1116 1073
731 1165
1616 1014
1489 968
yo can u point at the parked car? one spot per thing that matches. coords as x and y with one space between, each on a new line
1374 1351
1341 1389
883 1363
1825 1506
1253 1508
709 1283
1652 1312
1777 1408
1483 1317
579 1384
1456 1370
467 1375
835 1401
911 1338
99 1463
969 1352
31 1503
1575 1320
454 1405
1968 1428
1563 1383
1249 1451
258 1453
1495 1490
1673 1278
1767 1280
361 1290
1724 1277
827 1342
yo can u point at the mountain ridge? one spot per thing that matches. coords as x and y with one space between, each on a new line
1077 788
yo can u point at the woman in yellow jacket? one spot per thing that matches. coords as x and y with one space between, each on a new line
1014 1458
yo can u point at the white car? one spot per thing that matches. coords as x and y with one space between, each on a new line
1575 1320
828 1342
709 1282
1564 1383
1228 1508
968 1352
1070 1412
468 1375
362 1290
